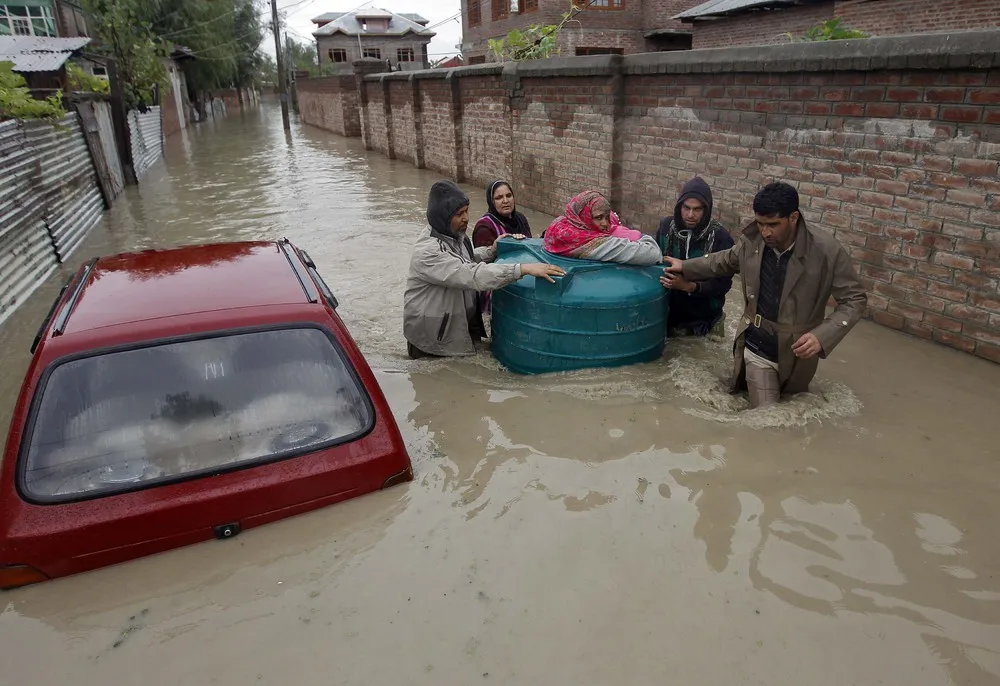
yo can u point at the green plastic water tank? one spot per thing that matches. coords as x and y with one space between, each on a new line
599 315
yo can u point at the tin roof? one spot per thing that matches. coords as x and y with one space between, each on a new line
414 18
329 16
719 8
37 53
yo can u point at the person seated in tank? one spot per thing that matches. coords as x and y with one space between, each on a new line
590 230
442 315
696 307
501 216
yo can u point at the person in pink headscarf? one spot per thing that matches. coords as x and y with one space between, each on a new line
590 230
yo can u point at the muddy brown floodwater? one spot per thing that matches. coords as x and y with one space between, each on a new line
632 526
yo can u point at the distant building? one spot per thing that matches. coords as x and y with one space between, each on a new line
450 62
601 27
400 39
42 18
721 23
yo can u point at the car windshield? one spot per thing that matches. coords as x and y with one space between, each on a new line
121 420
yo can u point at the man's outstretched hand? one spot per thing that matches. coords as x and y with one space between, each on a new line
541 270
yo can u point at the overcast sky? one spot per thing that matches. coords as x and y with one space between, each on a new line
298 14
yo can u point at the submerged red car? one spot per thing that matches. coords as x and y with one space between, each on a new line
176 395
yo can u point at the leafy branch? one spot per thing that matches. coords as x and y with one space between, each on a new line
16 101
534 42
832 29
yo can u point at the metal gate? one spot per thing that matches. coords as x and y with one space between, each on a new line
73 201
146 135
27 256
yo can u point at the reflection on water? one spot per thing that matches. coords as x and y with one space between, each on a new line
635 525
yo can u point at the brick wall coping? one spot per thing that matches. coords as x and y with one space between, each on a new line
946 50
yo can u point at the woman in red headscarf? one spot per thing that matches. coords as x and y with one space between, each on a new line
589 230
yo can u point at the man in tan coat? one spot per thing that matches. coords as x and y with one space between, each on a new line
789 273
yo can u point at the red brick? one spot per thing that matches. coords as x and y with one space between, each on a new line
893 321
848 109
914 283
893 187
943 323
917 252
919 111
950 212
933 271
936 163
818 108
970 198
984 96
918 329
910 204
988 352
900 232
901 264
884 246
985 217
954 261
950 95
968 313
878 171
987 302
912 175
984 335
905 94
877 199
956 341
980 249
928 224
949 180
968 115
937 242
877 273
947 292
962 231
926 192
908 311
976 282
989 185
975 167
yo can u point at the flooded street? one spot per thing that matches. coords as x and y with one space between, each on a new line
633 526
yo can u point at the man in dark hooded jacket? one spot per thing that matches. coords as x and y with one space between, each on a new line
695 306
441 313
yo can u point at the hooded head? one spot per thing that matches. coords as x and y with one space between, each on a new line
446 200
693 210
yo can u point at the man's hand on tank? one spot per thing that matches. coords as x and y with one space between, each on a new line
542 271
515 236
674 266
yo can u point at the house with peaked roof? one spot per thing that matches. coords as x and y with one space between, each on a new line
400 39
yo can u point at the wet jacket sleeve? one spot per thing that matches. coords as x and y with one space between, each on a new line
444 268
483 234
724 263
852 300
720 285
643 252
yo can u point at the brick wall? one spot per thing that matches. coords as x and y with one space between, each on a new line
404 133
893 149
875 17
486 129
437 117
765 27
660 15
627 20
378 129
561 135
330 103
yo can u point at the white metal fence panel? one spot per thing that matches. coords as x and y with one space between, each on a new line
27 256
73 198
146 135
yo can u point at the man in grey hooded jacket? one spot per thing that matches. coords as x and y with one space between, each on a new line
441 313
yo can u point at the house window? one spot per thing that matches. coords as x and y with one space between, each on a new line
404 55
600 51
337 54
600 4
478 59
475 12
372 52
528 6
18 20
500 9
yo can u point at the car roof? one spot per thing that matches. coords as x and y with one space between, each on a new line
154 284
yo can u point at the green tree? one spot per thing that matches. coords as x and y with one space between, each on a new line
534 42
832 29
303 56
16 101
127 36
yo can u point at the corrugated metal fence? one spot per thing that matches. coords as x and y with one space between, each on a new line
49 201
27 255
146 135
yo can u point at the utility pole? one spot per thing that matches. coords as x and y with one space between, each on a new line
282 84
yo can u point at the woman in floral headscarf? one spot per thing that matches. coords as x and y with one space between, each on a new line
589 230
